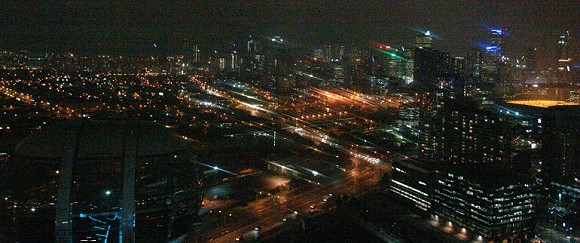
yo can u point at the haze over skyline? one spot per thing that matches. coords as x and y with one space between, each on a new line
96 27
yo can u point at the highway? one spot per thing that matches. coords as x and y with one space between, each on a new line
269 214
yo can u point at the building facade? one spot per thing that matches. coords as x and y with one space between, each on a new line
479 203
493 209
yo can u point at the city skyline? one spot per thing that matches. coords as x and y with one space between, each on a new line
134 28
291 121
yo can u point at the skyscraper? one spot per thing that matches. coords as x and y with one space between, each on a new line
318 52
329 53
492 66
463 198
474 71
430 66
252 45
461 133
424 40
196 56
406 65
564 58
474 64
496 42
561 143
252 56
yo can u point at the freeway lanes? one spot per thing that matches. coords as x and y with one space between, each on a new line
267 216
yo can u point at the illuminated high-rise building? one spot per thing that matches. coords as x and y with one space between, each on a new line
406 65
251 58
234 60
496 42
474 71
492 65
424 40
329 53
474 62
461 133
564 58
252 46
196 56
430 66
318 52
190 52
463 198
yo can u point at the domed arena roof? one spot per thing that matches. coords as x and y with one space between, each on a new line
96 139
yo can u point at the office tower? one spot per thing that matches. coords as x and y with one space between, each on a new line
251 57
318 52
84 180
561 143
196 54
413 183
222 63
496 41
464 200
462 133
458 66
430 66
234 60
474 63
424 40
494 52
406 65
251 45
474 71
329 53
187 51
277 54
565 58
493 59
457 75
531 61
409 115
337 69
336 53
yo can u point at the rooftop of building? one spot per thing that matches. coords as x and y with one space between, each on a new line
98 139
414 164
487 176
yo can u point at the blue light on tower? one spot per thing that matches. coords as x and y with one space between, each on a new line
497 31
491 49
496 41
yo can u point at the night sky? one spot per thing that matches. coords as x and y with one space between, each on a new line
109 27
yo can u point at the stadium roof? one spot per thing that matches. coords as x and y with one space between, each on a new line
96 139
